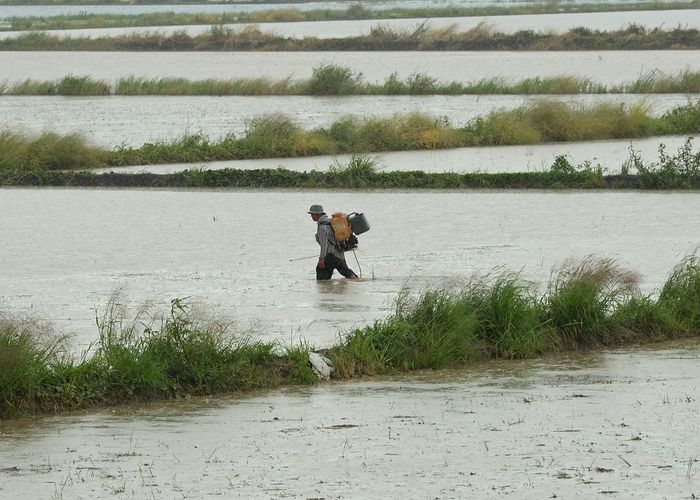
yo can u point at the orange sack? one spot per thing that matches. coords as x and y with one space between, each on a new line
341 226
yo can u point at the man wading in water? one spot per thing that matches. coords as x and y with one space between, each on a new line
330 257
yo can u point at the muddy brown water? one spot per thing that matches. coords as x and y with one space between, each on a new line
132 121
556 23
613 424
65 251
606 67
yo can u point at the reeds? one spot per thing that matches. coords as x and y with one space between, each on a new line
593 303
331 79
381 38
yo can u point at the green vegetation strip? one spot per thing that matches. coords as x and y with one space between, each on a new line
591 304
354 12
277 136
422 38
329 79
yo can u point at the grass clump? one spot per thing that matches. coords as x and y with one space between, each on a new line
331 79
48 151
29 350
508 324
680 295
430 332
579 301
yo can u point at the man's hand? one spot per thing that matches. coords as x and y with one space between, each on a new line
321 262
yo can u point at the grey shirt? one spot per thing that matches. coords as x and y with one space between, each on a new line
326 238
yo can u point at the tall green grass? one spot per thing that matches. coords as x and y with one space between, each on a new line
29 351
48 151
331 79
380 38
586 305
589 304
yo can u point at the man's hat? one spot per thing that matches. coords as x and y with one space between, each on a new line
316 209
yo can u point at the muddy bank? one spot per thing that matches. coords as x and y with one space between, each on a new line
614 424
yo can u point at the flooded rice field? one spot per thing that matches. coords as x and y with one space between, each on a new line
614 424
606 67
250 255
612 155
607 424
133 121
555 23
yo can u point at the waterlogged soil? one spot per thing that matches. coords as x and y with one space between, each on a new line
606 67
550 23
133 121
250 256
614 424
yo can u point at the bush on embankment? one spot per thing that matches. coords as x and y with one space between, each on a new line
423 38
331 79
278 136
591 304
